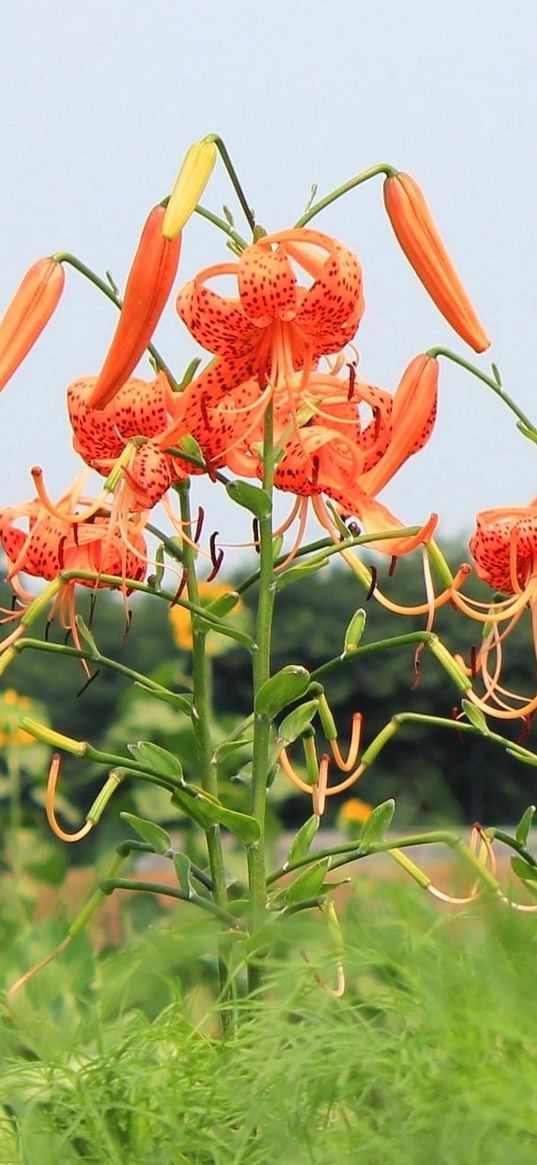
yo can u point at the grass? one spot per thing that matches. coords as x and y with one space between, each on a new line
431 1055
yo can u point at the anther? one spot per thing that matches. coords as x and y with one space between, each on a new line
473 662
255 530
393 565
199 524
180 588
89 681
374 577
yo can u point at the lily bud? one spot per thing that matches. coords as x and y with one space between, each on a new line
196 169
28 313
150 281
419 238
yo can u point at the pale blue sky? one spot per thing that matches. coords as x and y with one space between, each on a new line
99 101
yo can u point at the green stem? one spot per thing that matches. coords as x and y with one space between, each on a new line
494 385
201 720
222 225
111 294
110 884
262 726
364 176
222 150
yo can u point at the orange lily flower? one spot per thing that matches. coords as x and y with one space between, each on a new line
150 281
276 326
420 239
141 409
28 314
76 534
504 547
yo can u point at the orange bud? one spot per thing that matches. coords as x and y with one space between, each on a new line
150 281
419 238
28 313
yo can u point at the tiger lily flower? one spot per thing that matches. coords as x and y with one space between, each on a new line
276 326
504 548
76 534
420 239
128 424
28 314
150 281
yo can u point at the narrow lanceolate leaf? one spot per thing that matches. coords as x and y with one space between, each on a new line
527 873
149 284
149 831
475 716
295 723
421 242
252 497
158 759
281 689
223 604
308 884
301 843
524 825
296 573
28 313
208 811
377 824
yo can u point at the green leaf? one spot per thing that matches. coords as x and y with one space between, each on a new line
354 632
153 834
86 635
475 716
524 825
523 870
190 445
308 884
155 579
228 747
183 867
208 811
302 570
223 604
301 843
173 698
281 689
295 723
377 824
158 759
252 497
527 758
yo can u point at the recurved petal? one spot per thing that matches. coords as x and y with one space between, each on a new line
217 322
333 306
267 284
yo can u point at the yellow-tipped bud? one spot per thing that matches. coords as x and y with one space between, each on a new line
196 169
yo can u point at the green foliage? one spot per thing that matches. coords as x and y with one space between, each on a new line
427 1057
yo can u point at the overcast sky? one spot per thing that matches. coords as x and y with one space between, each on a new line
99 101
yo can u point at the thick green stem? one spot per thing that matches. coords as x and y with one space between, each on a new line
262 726
364 176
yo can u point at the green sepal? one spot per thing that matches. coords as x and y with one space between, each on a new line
281 689
252 497
308 884
183 867
524 825
301 843
208 811
295 723
228 747
475 716
223 604
377 824
354 632
301 570
149 831
156 758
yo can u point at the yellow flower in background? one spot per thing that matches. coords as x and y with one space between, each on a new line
12 708
354 812
181 621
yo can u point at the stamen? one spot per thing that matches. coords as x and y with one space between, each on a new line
373 584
